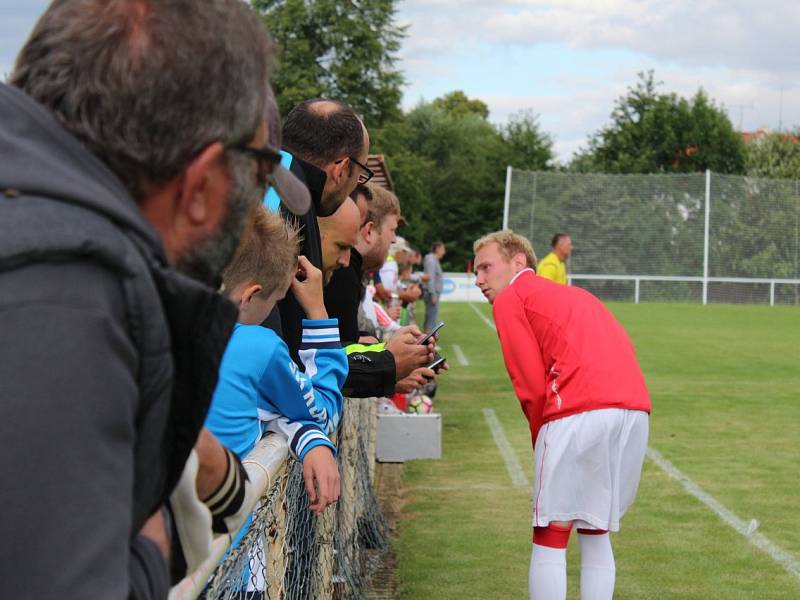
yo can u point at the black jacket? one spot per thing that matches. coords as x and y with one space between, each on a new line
371 372
108 360
343 294
287 317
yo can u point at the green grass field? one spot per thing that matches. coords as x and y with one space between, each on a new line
725 385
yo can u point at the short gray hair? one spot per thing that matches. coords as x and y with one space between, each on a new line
147 84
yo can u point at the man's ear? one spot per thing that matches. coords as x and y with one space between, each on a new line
200 183
248 293
339 171
367 231
520 261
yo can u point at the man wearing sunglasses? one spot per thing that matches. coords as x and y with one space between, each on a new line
126 178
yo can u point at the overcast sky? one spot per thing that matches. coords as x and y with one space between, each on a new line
568 60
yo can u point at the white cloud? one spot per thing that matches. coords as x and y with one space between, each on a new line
732 34
585 103
742 53
569 117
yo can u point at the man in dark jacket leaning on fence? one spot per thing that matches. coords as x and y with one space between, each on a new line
126 164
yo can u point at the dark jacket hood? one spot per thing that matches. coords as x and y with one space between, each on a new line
38 157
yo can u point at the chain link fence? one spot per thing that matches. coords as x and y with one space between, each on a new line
287 552
667 238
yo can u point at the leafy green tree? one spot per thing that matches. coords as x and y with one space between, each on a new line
458 104
654 132
776 156
448 172
527 146
341 50
448 164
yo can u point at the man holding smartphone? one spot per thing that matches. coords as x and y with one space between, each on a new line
375 369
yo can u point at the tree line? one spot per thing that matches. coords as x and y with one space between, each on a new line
448 160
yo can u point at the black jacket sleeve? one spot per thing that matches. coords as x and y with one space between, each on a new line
342 296
371 374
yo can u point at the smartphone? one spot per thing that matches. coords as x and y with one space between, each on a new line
426 338
437 364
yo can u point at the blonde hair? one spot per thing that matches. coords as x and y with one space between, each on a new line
267 254
382 203
509 244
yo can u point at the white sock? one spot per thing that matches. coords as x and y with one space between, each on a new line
547 579
597 567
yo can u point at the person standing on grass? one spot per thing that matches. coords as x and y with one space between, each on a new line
575 374
435 284
554 265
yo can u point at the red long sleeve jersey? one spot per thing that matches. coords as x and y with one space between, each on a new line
565 352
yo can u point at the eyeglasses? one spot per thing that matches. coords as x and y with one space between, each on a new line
267 159
362 177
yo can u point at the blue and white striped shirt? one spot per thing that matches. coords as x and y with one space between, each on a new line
260 388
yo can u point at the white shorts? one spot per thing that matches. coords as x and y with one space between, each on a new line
588 466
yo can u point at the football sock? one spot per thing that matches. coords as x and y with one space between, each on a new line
597 566
547 579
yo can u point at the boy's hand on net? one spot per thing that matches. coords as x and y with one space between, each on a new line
321 476
307 288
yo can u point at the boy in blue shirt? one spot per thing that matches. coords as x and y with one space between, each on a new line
260 388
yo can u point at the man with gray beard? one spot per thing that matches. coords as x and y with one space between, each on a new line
133 144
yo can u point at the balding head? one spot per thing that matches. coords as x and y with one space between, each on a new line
339 234
329 135
324 108
323 131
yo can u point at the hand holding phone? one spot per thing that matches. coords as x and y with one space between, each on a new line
427 338
437 364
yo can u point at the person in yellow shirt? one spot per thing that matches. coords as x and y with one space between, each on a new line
554 265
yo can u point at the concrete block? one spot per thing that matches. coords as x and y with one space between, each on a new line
405 437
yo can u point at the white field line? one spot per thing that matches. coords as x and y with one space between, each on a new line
512 463
460 356
748 530
482 316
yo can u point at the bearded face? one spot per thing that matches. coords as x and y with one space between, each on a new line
207 261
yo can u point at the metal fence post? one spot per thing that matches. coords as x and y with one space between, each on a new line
636 291
507 200
772 293
705 243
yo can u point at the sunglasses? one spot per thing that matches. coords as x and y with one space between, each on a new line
267 158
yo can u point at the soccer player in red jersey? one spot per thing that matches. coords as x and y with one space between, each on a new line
575 374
